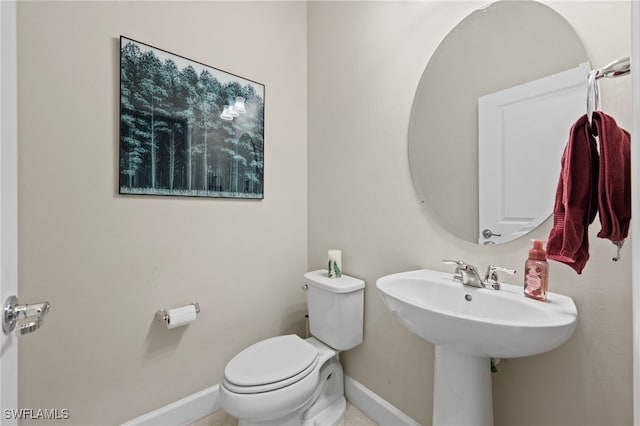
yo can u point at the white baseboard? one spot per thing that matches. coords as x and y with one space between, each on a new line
184 411
376 408
206 402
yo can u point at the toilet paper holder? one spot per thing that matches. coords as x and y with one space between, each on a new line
163 316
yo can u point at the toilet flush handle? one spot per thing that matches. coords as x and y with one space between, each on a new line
305 287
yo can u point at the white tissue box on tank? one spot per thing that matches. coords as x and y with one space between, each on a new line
336 307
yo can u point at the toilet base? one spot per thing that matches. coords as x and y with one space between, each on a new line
330 405
331 415
327 406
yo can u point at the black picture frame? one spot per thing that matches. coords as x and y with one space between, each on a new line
186 128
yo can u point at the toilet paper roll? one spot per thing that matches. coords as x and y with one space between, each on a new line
183 315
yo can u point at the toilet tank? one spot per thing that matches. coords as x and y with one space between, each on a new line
336 309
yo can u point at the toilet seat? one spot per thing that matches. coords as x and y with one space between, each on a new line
270 364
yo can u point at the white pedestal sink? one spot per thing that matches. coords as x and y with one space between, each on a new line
469 326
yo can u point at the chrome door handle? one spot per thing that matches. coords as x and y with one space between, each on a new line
13 312
488 233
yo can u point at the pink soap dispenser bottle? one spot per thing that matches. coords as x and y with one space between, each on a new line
536 272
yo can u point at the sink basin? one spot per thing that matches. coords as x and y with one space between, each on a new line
468 326
477 321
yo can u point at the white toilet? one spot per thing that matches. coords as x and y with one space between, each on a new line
286 380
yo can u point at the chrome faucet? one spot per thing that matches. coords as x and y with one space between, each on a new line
491 276
465 274
468 274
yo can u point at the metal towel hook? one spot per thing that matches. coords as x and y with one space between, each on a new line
593 98
617 68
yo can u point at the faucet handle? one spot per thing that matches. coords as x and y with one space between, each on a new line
491 276
461 267
457 275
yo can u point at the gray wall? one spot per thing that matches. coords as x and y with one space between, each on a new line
108 262
365 61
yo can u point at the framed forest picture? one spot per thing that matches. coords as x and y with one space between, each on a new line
186 128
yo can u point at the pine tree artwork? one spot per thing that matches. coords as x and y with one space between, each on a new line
186 128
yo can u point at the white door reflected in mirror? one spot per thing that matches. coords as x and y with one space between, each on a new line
519 130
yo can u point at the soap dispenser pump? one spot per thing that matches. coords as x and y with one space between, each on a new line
536 272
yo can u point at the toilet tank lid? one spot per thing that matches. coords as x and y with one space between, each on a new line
344 284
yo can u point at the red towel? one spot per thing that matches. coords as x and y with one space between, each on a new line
614 185
576 202
588 184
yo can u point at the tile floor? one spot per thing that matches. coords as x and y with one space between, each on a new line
354 417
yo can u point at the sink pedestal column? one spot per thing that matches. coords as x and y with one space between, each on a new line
461 389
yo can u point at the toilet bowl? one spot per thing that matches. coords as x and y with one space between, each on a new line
298 380
287 380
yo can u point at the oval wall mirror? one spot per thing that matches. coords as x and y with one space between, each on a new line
491 117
